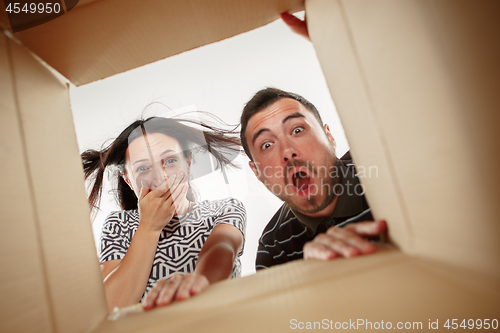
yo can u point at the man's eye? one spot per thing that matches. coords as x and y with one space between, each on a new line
266 145
297 130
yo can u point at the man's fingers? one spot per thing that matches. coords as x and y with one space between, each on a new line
149 302
353 239
297 25
169 290
348 241
344 244
315 250
368 228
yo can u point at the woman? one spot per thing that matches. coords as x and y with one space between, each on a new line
161 230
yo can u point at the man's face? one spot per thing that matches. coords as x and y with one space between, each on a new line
293 156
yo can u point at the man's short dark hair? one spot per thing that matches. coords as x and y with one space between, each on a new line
262 100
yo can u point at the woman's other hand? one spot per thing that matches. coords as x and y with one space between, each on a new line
176 288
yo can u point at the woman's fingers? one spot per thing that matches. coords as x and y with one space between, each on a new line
176 288
144 190
149 301
179 193
168 181
169 290
183 292
191 285
200 284
173 182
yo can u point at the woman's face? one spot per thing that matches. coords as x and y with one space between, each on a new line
150 159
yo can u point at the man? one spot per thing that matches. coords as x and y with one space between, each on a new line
293 155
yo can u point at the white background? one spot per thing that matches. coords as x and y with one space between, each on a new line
219 78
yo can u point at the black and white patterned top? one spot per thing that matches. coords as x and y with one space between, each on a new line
180 241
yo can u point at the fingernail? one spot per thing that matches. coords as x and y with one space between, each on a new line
142 184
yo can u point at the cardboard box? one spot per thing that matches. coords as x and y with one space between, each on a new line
416 86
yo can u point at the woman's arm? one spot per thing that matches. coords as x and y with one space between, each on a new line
219 252
125 280
215 263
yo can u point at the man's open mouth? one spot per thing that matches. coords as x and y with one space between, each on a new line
301 180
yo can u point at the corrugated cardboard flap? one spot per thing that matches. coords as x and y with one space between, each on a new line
52 281
401 289
416 87
106 37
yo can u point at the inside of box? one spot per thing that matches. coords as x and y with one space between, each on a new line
219 79
415 85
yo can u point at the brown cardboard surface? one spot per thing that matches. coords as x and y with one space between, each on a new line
414 101
237 292
25 301
71 273
4 20
412 81
311 291
103 38
331 37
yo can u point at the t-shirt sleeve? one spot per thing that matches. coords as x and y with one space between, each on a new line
113 243
233 212
268 247
264 259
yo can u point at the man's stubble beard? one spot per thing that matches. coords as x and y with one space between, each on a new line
327 186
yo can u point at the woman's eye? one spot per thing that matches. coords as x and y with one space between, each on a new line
297 130
142 169
169 161
266 145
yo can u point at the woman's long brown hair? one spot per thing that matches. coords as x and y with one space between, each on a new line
218 142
